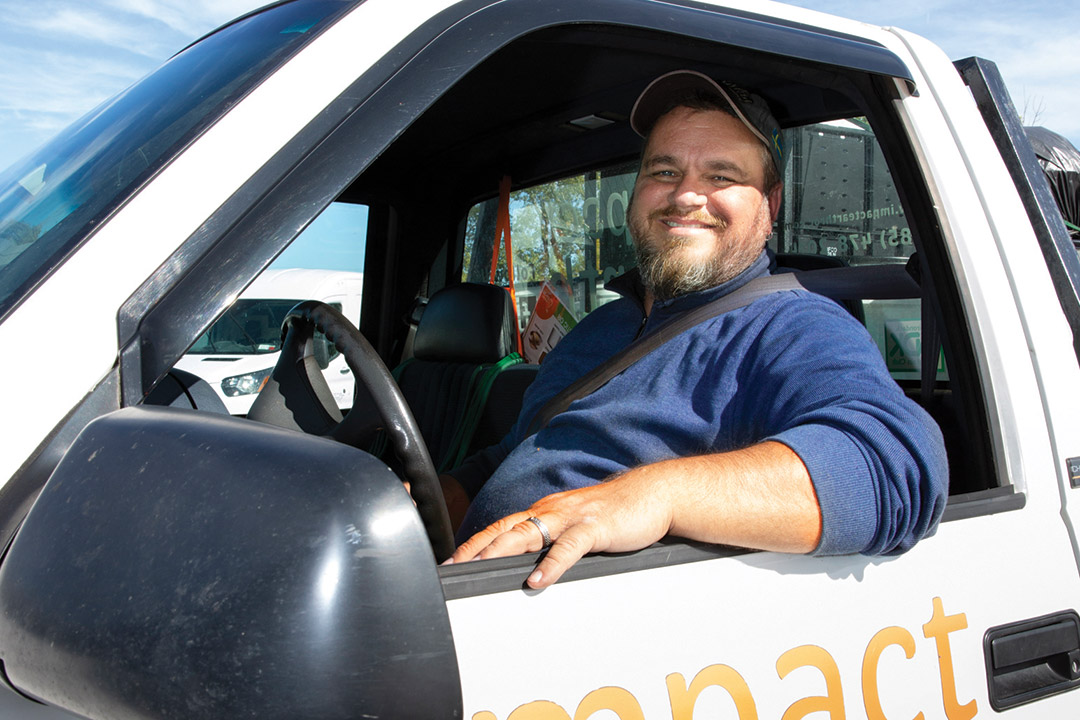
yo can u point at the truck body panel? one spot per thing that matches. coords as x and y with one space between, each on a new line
393 110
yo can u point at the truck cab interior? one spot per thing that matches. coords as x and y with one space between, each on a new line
553 105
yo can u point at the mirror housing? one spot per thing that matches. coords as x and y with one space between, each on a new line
182 564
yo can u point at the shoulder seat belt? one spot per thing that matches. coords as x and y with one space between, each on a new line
868 282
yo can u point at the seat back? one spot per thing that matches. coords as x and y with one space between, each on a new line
501 410
799 262
464 332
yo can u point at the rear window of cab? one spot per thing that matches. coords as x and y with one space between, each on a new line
840 208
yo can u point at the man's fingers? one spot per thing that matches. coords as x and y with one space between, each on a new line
570 547
513 535
469 549
408 489
472 548
507 538
577 522
522 537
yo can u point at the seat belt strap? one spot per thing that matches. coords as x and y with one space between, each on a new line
849 283
599 376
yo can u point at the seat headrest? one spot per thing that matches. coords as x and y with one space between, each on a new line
466 323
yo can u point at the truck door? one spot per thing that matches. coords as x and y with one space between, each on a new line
678 627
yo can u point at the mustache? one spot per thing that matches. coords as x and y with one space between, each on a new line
696 216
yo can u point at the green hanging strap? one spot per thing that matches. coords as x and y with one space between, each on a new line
457 439
474 411
480 384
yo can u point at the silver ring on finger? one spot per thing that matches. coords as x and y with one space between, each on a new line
543 530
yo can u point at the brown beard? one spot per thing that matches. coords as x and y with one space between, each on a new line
668 274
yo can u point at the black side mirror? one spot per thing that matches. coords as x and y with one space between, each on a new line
180 564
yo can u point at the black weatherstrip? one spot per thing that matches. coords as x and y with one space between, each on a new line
992 97
505 574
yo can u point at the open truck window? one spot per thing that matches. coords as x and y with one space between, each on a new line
854 196
840 208
851 199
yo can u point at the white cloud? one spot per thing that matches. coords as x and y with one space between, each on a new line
64 57
189 18
1030 42
52 84
1041 72
92 28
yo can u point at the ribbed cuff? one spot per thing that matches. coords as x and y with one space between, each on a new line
843 483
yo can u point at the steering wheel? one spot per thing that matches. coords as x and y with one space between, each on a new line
296 396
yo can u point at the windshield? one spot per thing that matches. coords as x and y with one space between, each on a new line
51 200
249 327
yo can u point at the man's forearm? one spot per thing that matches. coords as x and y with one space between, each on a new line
760 497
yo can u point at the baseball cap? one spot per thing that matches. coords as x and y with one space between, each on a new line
751 109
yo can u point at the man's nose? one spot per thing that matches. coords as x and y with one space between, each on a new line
688 194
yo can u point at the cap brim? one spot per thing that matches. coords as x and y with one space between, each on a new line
663 92
655 98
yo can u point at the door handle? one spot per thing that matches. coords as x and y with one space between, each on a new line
1032 659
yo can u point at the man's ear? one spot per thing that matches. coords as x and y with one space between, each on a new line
775 196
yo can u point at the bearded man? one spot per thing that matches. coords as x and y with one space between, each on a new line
774 426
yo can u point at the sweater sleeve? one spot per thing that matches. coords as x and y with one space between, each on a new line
876 458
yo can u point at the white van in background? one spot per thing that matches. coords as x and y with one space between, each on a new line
236 355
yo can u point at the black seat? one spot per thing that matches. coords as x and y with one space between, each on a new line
503 405
464 338
799 262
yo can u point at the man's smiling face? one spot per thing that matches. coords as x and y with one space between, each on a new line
700 213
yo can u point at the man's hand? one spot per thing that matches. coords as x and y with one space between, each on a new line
760 497
624 513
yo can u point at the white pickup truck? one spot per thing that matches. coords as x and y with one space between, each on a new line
164 561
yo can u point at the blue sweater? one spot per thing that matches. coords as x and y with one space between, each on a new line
793 367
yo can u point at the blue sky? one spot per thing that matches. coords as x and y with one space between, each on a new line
1033 42
60 58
